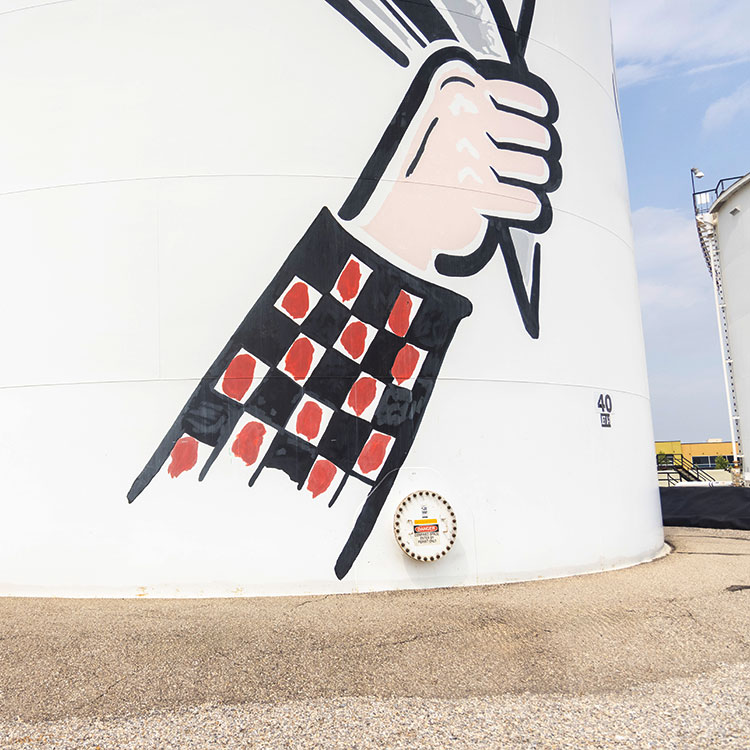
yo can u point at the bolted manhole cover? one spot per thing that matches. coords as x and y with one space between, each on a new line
425 526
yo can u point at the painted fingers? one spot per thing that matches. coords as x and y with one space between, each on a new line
472 141
493 136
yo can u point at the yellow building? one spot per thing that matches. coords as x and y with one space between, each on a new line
700 455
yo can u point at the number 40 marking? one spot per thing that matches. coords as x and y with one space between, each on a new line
605 403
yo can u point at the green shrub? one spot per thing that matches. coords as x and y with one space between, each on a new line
722 463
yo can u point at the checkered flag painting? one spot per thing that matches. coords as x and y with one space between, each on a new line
326 379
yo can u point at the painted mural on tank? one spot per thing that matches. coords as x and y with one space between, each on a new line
328 376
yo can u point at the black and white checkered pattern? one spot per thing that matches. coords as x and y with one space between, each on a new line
274 398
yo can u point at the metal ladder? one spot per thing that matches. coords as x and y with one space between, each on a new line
710 245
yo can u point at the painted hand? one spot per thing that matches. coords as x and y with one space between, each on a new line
479 144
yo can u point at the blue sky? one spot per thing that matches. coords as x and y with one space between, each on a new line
684 76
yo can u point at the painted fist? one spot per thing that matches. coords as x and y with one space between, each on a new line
472 140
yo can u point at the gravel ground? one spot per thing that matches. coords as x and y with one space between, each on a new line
653 656
705 713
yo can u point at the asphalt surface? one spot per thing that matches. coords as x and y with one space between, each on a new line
652 656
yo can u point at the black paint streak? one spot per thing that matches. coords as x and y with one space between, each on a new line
525 19
456 79
338 491
506 30
293 456
395 13
528 305
371 32
421 148
468 265
498 235
427 18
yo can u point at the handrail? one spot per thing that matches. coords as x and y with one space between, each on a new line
704 199
680 464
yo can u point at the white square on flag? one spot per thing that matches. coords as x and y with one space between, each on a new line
355 339
407 365
309 420
402 313
301 358
350 281
364 397
374 454
323 480
298 299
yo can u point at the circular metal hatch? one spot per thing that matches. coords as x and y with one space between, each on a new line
425 526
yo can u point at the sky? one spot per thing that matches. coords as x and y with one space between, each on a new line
684 79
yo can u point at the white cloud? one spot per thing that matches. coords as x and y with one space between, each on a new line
666 240
723 111
632 73
679 322
654 38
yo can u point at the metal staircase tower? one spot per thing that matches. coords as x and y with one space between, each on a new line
706 223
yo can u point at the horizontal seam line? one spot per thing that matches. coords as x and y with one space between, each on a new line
443 379
34 7
578 65
288 176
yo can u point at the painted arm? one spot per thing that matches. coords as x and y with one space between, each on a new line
328 377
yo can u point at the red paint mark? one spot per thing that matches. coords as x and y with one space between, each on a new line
373 454
299 358
362 394
348 284
400 316
184 456
405 364
354 338
297 300
309 419
321 476
239 376
248 442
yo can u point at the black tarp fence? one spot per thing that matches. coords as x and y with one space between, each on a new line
706 507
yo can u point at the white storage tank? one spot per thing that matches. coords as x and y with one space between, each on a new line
317 296
724 230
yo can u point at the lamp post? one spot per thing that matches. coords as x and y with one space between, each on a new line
695 173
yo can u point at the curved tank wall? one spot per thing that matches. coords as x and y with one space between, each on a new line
732 215
271 267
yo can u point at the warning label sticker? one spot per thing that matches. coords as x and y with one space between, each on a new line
426 533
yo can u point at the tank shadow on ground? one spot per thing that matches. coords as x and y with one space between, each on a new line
680 616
